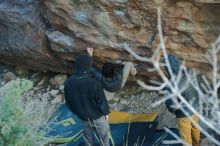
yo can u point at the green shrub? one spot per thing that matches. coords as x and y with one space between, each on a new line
21 115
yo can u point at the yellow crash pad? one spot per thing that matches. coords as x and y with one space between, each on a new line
123 117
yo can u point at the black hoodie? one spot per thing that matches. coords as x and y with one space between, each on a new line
84 95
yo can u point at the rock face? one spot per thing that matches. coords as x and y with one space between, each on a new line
22 36
48 35
191 28
208 1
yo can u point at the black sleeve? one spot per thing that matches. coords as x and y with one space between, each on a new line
113 85
96 74
169 102
101 101
67 102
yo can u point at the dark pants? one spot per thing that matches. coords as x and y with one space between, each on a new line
100 127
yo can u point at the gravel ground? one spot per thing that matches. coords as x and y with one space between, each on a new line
134 99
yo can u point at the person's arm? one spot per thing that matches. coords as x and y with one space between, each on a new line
96 74
67 100
170 105
94 71
169 102
121 77
101 101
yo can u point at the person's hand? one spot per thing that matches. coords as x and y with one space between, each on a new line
124 62
106 117
90 51
118 62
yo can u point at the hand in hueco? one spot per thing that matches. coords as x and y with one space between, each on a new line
90 51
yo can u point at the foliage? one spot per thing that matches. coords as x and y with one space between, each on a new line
21 115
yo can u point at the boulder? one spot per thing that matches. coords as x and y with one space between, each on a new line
58 99
22 37
61 88
9 76
48 35
43 81
54 92
207 1
58 80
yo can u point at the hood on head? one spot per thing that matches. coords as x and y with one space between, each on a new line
83 63
174 64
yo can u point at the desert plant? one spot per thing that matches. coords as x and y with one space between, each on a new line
22 114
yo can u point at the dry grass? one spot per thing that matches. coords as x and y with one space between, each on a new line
22 114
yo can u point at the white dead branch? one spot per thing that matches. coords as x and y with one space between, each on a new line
209 112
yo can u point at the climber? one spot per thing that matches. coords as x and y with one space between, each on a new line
189 131
112 79
85 97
